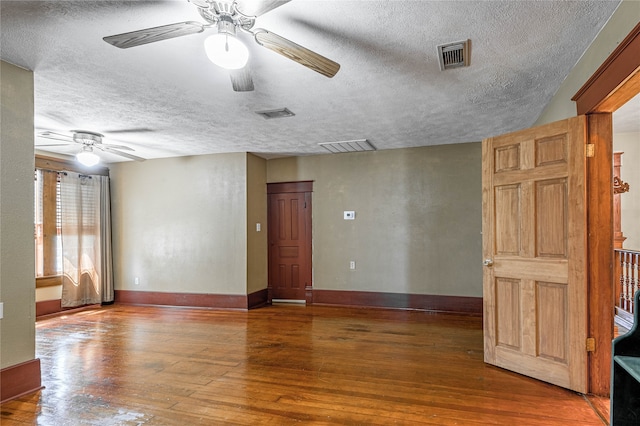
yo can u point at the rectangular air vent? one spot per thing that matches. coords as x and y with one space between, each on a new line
454 55
276 113
358 145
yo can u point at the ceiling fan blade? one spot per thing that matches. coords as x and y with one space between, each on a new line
54 144
56 137
50 135
131 130
126 148
258 7
122 154
241 79
151 35
295 52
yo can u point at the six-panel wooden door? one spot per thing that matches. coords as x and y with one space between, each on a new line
534 249
289 217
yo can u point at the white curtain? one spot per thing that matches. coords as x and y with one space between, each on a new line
82 267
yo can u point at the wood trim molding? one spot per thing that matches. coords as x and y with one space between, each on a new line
50 281
48 307
619 74
425 302
432 303
53 308
600 257
619 186
191 300
20 379
60 165
257 299
279 187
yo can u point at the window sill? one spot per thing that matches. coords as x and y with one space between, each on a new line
50 281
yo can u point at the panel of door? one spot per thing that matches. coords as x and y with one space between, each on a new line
289 244
534 246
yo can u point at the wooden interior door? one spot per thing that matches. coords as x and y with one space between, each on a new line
289 222
534 246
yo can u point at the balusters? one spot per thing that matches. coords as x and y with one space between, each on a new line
628 293
634 283
620 277
628 276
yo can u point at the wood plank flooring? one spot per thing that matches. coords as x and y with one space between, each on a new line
279 365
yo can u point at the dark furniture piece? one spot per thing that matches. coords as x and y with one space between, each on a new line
625 375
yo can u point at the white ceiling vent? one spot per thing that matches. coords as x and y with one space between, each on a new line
454 55
276 113
357 145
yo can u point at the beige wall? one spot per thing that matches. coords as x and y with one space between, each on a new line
256 213
49 293
624 19
17 283
629 143
418 218
180 224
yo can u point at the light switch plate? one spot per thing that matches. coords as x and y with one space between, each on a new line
349 215
1 310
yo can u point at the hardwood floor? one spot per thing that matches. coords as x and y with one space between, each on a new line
132 365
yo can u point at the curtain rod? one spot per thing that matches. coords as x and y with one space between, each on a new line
65 173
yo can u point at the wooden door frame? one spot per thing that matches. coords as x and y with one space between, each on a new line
613 84
298 186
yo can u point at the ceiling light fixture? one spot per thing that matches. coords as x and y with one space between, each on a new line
87 157
224 49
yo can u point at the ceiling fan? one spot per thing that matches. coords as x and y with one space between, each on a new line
224 48
89 141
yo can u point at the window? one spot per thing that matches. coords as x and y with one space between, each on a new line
48 216
48 224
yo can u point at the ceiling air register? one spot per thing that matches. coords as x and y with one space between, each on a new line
454 55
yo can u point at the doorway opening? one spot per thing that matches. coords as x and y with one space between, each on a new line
615 83
626 201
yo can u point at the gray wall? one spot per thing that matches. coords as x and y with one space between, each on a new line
623 20
180 224
418 218
189 224
257 259
17 264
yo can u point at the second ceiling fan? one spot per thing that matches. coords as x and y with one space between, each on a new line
223 47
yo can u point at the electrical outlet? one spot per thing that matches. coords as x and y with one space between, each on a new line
352 265
1 310
349 215
258 227
136 281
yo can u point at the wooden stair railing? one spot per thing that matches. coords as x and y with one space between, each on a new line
627 263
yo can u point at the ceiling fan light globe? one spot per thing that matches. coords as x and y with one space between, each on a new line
226 51
87 158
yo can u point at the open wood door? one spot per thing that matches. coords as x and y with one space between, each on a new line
534 249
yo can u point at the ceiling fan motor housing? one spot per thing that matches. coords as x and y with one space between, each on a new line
87 138
226 25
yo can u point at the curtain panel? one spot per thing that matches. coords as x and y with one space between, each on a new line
81 240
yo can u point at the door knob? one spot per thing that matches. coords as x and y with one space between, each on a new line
487 262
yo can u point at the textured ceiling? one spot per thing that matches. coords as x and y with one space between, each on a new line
389 89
